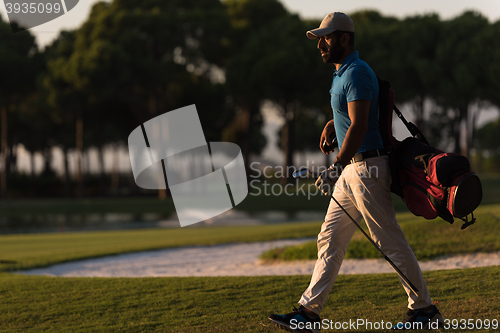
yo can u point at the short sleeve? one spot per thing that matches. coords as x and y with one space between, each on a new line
360 85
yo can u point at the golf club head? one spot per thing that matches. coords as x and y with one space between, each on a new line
300 172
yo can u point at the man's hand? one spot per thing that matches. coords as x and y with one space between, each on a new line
327 179
326 135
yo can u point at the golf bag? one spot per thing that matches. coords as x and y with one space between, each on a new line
432 183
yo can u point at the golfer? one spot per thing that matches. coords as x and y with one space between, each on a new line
362 179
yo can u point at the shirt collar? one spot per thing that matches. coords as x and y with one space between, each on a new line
347 61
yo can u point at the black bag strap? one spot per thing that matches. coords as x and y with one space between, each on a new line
414 131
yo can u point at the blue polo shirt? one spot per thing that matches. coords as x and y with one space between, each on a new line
355 80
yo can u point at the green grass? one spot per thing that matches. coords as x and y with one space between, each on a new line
38 250
229 304
428 238
226 304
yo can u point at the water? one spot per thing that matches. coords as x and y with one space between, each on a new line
39 223
57 223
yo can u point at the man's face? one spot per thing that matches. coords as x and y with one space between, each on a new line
331 50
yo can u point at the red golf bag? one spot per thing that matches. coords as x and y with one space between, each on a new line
432 183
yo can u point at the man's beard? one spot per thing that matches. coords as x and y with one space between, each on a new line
333 55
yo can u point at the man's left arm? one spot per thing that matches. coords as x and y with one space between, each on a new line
359 111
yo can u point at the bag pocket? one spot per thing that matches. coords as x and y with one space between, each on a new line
422 197
444 168
416 200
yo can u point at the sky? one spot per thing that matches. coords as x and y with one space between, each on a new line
399 8
307 9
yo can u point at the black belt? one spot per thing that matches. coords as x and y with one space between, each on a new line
367 154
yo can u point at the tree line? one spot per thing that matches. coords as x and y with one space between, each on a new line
131 61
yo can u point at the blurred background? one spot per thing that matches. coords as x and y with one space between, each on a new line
73 89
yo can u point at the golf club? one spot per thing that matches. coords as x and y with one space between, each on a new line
306 172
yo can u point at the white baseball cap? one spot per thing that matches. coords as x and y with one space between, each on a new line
332 22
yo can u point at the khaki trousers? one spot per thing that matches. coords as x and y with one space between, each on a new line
363 191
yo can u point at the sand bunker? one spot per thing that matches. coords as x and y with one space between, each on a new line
240 259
